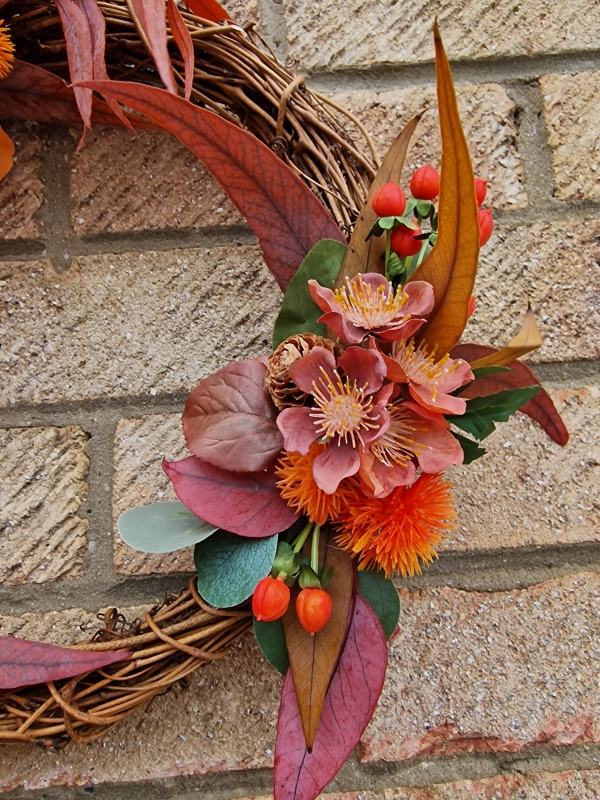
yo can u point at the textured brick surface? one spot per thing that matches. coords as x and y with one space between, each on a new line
21 191
243 11
572 110
556 268
491 671
529 490
488 116
387 32
133 323
43 484
140 446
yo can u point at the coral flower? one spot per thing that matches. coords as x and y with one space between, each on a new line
429 381
369 304
394 533
7 50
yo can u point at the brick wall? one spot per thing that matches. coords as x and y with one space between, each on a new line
126 276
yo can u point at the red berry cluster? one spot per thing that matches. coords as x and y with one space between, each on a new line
271 599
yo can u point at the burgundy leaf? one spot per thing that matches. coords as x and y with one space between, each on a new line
540 408
208 9
349 705
246 503
229 419
24 663
151 16
284 214
182 36
78 39
3 3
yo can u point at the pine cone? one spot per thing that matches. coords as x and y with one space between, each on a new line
282 390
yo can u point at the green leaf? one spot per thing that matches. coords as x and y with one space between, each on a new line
162 527
395 264
424 208
271 640
483 412
299 313
470 448
229 566
479 371
411 204
386 223
380 593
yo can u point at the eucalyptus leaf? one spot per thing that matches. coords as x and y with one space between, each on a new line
381 594
271 640
472 451
162 527
483 412
479 371
229 567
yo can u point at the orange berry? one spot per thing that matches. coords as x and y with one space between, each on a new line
480 190
270 599
389 201
486 225
313 607
403 242
425 183
472 304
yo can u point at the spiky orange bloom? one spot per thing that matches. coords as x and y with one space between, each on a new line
7 50
394 532
299 490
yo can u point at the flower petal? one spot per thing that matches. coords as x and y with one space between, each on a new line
366 367
420 298
404 330
309 370
342 328
378 480
322 296
440 449
335 463
298 429
443 403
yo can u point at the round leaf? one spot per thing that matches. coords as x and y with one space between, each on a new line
380 593
229 566
162 528
271 640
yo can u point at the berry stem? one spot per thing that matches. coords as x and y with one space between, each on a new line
388 249
302 537
314 550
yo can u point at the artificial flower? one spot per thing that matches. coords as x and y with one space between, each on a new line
7 50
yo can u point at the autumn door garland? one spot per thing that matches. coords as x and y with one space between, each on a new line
316 472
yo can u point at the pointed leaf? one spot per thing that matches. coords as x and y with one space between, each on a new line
229 419
299 312
471 450
363 255
381 594
78 40
229 567
151 22
24 663
350 703
271 640
452 264
527 339
540 408
483 412
7 151
313 658
208 9
284 214
162 527
182 36
246 503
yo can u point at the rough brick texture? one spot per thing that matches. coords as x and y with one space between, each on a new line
21 191
43 478
571 104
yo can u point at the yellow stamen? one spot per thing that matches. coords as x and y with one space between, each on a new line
369 309
7 50
343 409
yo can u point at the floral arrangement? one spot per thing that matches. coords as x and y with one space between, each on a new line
316 472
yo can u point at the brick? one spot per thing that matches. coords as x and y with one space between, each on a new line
43 475
553 266
244 12
529 490
571 105
497 671
383 32
488 116
21 191
121 182
148 323
140 446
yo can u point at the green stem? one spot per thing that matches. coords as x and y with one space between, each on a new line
302 537
314 550
388 249
422 253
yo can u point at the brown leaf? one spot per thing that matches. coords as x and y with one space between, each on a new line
182 36
363 255
151 22
452 264
527 339
313 658
78 39
7 151
208 9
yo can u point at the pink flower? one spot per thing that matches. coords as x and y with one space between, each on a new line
369 304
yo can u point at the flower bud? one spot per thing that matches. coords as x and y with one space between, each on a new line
403 242
313 608
270 599
480 190
389 201
425 183
486 225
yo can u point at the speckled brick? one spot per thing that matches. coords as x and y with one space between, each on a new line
572 112
384 31
131 324
43 475
488 116
21 191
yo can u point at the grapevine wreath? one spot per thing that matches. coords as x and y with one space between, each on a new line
316 471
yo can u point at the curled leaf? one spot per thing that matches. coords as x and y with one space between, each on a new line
151 22
527 339
182 36
78 40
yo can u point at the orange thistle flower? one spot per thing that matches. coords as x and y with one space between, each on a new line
394 532
7 50
299 490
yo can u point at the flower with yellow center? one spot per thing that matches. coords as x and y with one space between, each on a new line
7 50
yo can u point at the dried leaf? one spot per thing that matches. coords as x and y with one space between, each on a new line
313 658
229 419
208 9
7 151
365 255
24 663
246 503
284 214
527 339
452 264
78 40
355 688
182 36
151 22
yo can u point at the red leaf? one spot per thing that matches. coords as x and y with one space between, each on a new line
246 503
540 408
349 705
24 663
284 214
152 20
182 36
208 9
78 39
229 419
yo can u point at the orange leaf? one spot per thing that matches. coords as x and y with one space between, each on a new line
7 150
151 22
452 264
527 339
184 43
313 658
208 9
363 255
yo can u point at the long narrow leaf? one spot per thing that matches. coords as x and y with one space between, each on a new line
78 40
182 36
208 9
151 22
